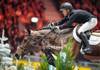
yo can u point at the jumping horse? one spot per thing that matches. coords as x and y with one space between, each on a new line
44 39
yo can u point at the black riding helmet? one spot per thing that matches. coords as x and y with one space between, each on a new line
66 6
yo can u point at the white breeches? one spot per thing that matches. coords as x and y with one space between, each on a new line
88 25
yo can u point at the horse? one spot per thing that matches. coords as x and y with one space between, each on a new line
43 39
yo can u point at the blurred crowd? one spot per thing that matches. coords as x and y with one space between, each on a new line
19 12
14 13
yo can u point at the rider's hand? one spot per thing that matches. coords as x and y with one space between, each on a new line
50 25
56 29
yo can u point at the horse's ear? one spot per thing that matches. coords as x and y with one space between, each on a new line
19 51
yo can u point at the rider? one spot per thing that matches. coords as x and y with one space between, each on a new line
82 17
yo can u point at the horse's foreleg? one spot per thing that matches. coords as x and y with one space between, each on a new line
75 49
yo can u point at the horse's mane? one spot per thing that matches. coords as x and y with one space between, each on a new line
36 43
40 39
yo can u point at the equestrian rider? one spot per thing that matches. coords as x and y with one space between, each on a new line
81 17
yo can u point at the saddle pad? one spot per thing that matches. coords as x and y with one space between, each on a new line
96 34
94 40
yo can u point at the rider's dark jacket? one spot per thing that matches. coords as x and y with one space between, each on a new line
78 16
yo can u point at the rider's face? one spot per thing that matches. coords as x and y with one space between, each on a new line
65 12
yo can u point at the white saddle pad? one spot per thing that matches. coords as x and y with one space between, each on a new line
94 40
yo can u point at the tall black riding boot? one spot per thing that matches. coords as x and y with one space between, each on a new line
86 48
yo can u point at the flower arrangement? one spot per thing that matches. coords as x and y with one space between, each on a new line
63 60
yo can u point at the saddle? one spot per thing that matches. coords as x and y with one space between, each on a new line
94 38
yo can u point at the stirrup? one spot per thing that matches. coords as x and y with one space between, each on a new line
81 51
87 50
